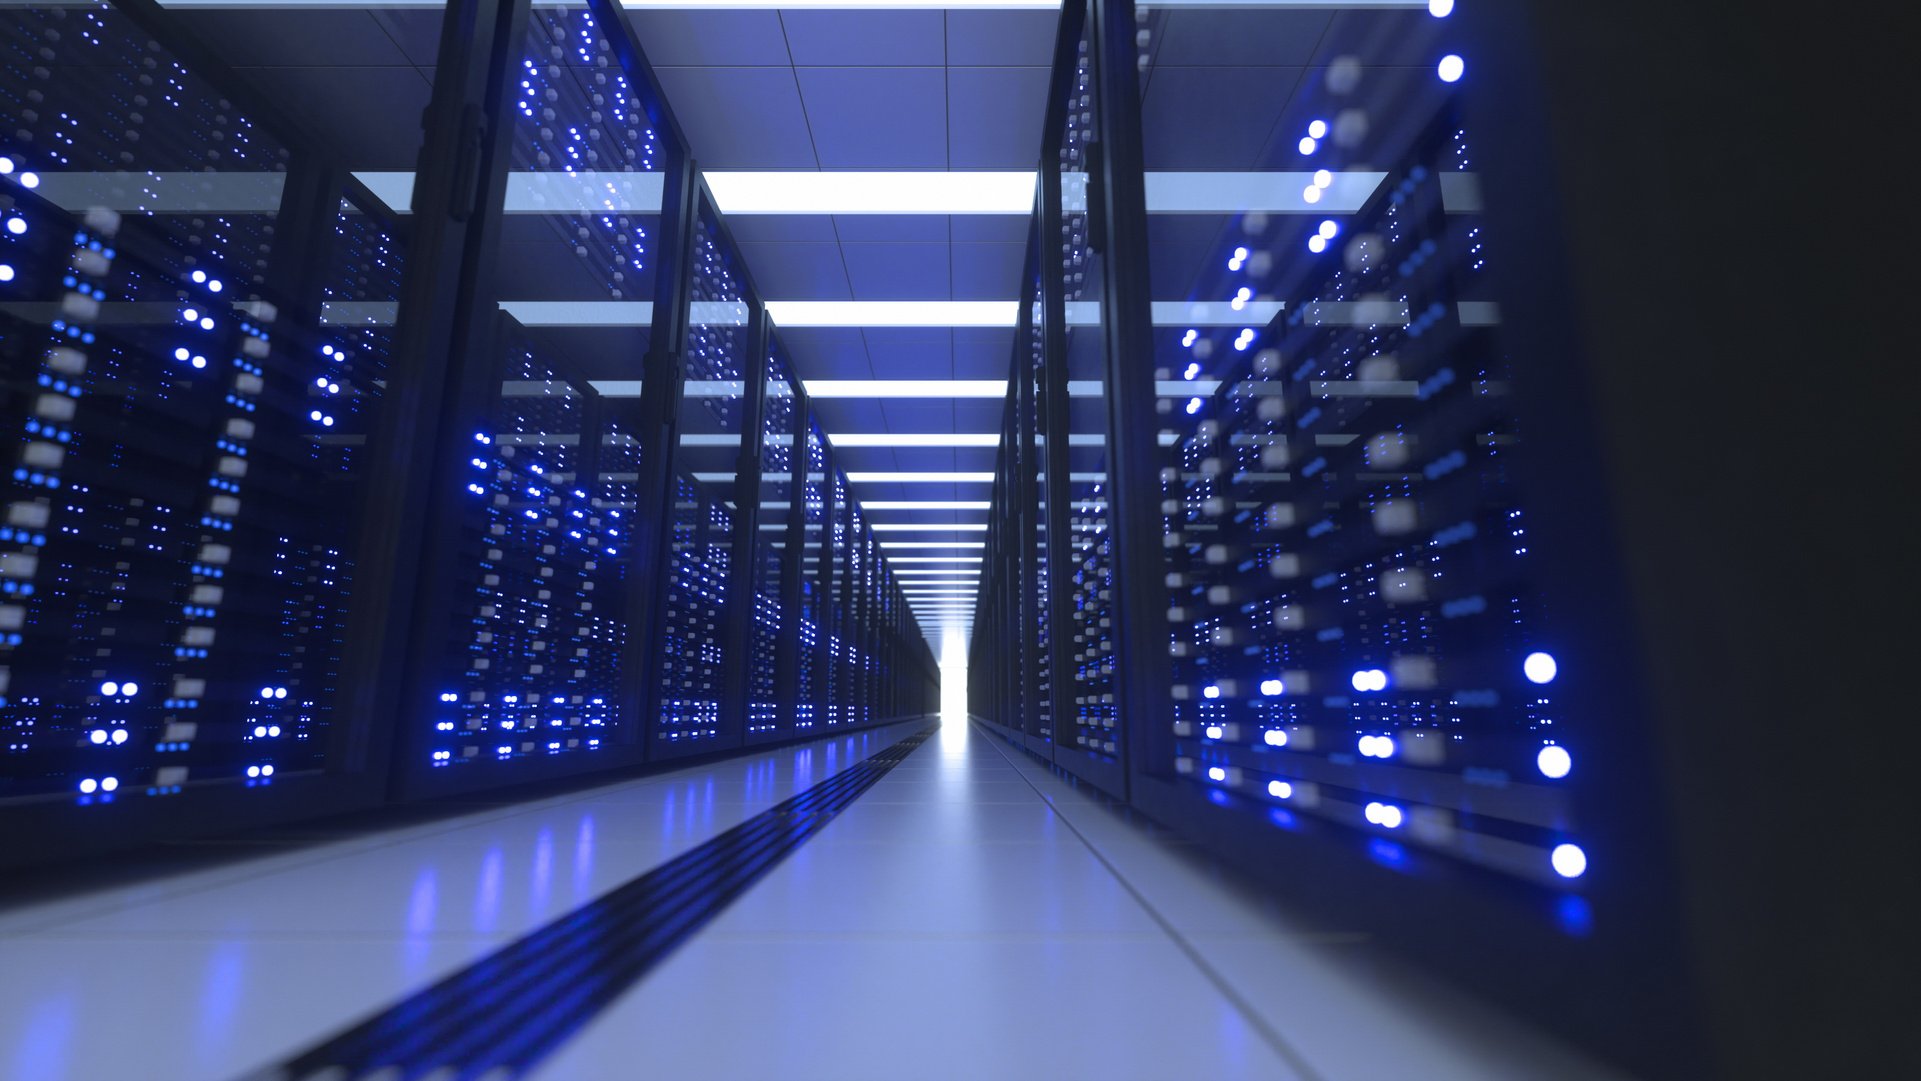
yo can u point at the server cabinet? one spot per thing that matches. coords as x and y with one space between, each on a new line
194 360
1344 650
718 407
811 683
777 553
551 458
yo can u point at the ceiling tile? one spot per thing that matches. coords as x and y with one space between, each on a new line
851 415
990 228
877 118
982 352
1001 38
740 118
891 228
978 415
711 38
827 352
987 271
897 271
865 38
782 228
810 271
910 352
994 117
919 415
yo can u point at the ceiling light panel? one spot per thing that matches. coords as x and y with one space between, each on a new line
914 439
906 388
739 194
929 477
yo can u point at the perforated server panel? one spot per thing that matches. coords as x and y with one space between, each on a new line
182 523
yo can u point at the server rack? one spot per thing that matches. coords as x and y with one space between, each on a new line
399 521
1305 614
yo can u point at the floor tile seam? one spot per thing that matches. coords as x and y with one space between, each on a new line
1276 1041
241 874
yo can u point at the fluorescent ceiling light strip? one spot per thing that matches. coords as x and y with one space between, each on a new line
919 527
906 388
936 388
894 313
924 504
840 192
859 313
934 559
914 439
739 194
933 544
920 478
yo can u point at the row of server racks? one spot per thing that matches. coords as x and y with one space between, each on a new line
301 519
1343 596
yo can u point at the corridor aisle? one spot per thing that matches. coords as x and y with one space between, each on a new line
975 916
969 915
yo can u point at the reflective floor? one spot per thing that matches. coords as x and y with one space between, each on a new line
970 916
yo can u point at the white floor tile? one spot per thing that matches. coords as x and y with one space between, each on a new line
944 890
174 1009
755 1009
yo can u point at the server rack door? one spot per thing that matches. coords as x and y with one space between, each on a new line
1089 742
187 560
1037 491
812 679
855 597
526 668
710 438
769 681
1365 649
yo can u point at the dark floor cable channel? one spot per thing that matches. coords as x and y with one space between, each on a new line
544 987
